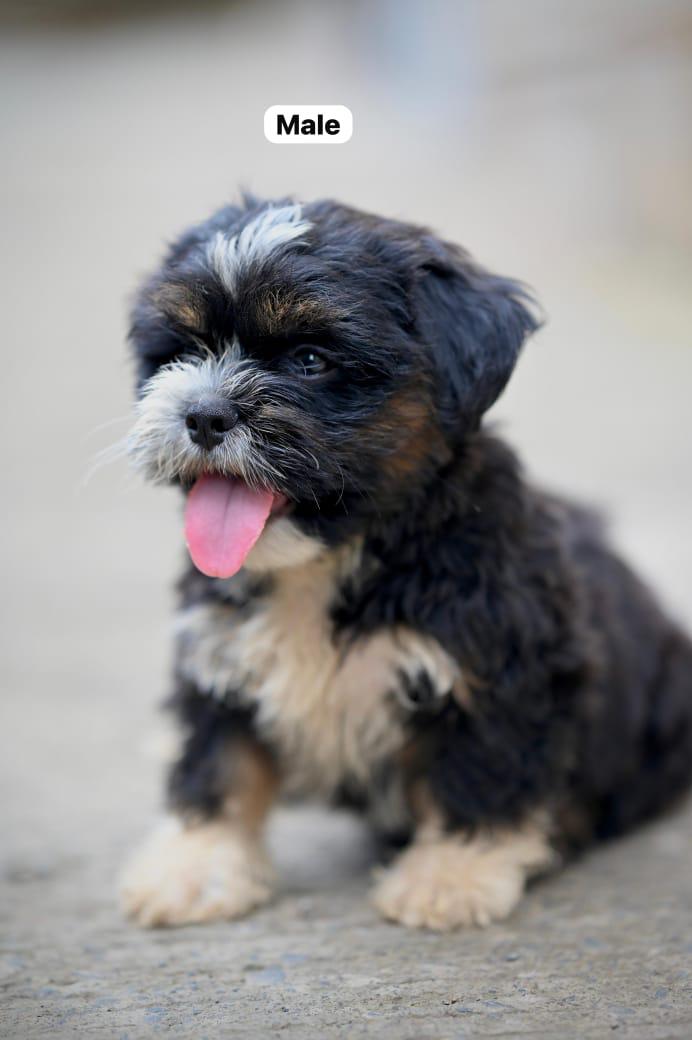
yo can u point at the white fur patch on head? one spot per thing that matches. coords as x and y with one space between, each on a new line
273 227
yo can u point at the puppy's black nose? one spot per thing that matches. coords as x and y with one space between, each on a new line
209 421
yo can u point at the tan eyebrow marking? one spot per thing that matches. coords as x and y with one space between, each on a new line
180 303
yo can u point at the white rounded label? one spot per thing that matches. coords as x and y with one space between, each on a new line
308 124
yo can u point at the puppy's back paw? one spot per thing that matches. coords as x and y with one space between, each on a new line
188 875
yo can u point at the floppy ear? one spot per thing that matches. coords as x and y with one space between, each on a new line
475 324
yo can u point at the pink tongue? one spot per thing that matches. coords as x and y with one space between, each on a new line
223 520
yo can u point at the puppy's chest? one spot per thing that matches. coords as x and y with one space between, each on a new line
333 711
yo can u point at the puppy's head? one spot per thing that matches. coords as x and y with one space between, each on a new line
303 369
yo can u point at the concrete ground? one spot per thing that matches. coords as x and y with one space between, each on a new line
555 144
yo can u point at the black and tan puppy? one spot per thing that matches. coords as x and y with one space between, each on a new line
382 611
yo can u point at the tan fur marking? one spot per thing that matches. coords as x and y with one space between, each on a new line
444 883
429 818
253 784
409 413
331 710
181 304
286 312
280 545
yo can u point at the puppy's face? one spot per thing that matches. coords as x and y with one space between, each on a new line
305 368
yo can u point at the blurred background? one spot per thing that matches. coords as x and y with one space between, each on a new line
551 138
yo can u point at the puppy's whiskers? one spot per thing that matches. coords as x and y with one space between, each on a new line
105 457
107 425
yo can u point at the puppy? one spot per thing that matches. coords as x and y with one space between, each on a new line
380 610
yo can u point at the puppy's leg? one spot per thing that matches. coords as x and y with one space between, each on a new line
206 861
448 880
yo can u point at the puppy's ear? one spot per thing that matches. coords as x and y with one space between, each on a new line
475 324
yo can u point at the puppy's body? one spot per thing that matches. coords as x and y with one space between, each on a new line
419 632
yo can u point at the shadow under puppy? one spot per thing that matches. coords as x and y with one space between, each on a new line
383 612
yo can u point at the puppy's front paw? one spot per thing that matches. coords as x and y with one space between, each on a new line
449 883
186 875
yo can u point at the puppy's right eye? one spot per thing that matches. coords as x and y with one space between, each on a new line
309 362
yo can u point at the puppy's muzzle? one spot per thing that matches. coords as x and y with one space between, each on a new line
209 420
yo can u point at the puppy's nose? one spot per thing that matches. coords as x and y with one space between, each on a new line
209 420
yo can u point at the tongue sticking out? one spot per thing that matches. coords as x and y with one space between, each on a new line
223 520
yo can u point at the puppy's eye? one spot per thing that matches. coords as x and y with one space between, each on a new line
309 362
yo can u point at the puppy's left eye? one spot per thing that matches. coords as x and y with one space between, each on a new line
310 362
